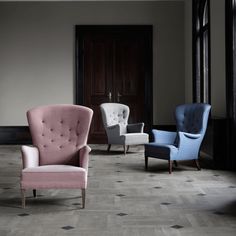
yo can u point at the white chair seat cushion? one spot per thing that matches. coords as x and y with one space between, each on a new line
134 138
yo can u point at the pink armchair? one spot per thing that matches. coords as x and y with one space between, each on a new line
60 155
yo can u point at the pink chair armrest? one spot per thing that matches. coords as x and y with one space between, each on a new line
30 156
84 156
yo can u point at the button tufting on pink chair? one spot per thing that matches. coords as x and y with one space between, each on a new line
59 157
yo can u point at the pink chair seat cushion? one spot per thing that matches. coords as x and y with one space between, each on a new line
53 177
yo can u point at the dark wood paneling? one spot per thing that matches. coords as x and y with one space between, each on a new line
15 135
97 79
219 143
165 127
129 75
230 44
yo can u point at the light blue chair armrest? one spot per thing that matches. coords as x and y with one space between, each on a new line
188 145
164 137
192 136
135 128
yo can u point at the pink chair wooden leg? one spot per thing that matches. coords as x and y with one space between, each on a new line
34 193
83 198
23 198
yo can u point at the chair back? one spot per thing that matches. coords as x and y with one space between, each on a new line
192 118
59 131
114 113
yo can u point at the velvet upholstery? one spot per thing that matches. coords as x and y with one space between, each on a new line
115 119
59 131
54 177
191 124
60 155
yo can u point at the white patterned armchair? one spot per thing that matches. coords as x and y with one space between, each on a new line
115 119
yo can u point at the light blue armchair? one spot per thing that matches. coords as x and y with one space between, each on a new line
191 122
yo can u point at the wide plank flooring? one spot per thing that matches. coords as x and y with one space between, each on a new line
122 199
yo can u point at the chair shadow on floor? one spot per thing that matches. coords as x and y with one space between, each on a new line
158 166
40 203
227 209
97 152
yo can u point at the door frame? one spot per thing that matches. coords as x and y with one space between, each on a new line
146 30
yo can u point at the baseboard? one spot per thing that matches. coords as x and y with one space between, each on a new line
15 135
165 127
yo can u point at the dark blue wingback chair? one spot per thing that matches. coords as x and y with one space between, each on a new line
191 122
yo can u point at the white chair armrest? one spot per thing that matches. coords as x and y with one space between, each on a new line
116 130
30 156
135 128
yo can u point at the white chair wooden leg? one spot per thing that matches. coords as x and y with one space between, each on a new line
124 146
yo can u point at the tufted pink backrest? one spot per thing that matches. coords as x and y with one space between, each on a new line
59 131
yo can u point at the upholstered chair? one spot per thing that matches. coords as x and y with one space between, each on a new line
59 156
191 122
115 119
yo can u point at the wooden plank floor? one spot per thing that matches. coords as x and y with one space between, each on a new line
122 199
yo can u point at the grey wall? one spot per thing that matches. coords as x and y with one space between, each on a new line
217 20
37 52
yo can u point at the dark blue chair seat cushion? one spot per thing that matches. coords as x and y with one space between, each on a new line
160 151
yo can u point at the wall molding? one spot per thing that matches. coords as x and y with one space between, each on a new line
15 135
165 127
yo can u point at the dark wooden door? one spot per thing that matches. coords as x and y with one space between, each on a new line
114 64
129 75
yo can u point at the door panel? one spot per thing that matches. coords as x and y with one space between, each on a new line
129 75
97 74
